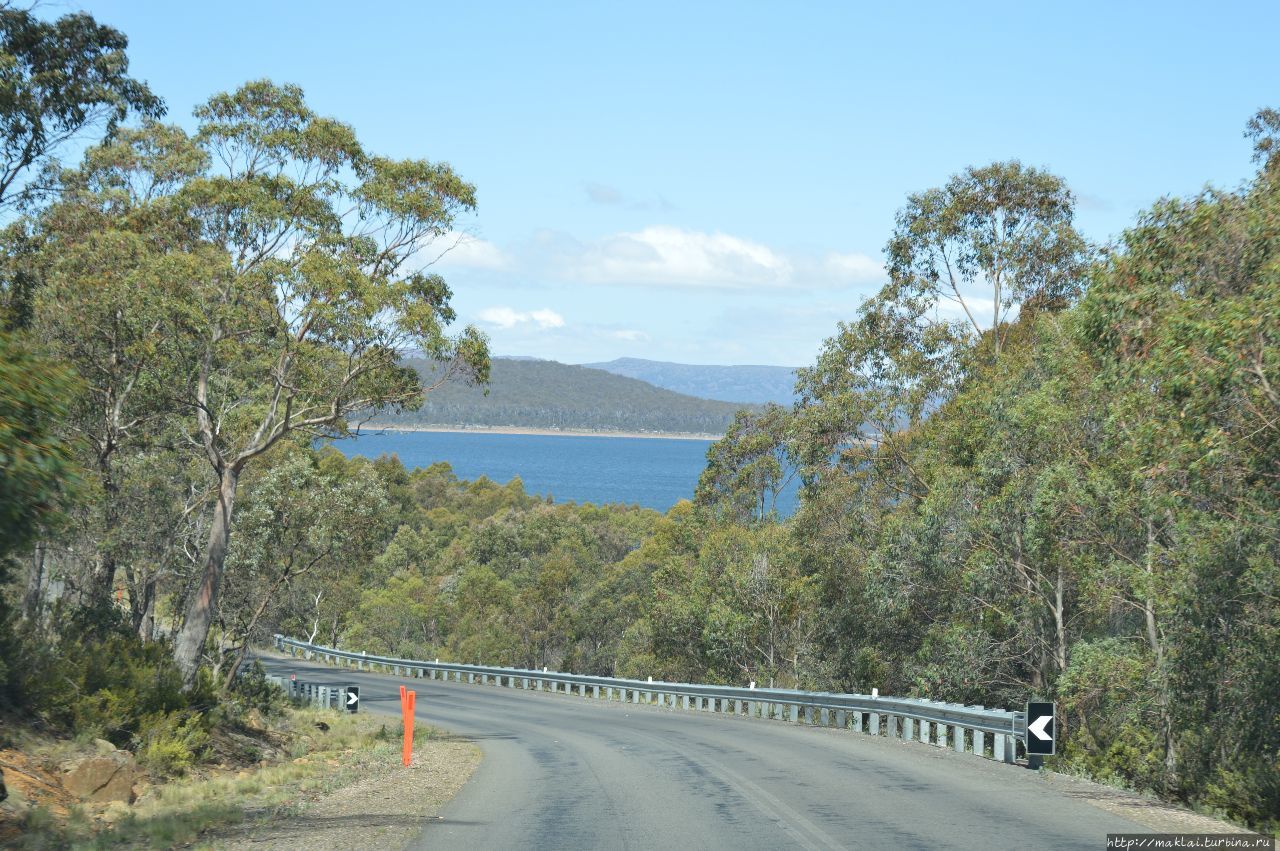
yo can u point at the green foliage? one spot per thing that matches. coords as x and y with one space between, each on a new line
170 743
67 688
253 691
1075 500
35 464
57 79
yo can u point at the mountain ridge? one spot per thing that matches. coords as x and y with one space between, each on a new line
739 383
542 394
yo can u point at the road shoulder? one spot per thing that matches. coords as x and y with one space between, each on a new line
386 805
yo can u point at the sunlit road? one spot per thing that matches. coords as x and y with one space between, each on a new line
567 772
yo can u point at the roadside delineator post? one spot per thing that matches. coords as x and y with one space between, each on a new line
408 703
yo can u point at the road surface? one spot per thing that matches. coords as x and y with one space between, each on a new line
563 772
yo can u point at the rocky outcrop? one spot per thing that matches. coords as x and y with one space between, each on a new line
105 777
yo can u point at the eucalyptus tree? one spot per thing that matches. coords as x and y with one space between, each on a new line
989 241
295 521
319 288
115 254
750 467
1183 322
59 79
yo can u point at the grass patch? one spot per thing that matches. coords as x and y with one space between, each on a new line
177 812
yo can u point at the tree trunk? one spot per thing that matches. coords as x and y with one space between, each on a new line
145 623
1157 649
1060 623
189 646
103 575
33 600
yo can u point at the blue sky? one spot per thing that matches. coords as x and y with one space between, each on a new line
714 182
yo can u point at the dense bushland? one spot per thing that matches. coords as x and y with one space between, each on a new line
1030 466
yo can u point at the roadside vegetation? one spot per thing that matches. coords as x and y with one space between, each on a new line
287 760
1031 466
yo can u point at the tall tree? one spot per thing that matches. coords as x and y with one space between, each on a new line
304 319
59 79
1001 234
114 259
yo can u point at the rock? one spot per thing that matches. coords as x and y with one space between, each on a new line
107 777
103 746
254 721
115 811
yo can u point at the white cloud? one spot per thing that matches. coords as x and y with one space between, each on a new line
462 250
853 268
547 318
506 317
666 255
630 335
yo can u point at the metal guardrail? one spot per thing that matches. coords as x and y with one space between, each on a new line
312 694
991 733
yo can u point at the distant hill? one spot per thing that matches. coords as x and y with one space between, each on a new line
756 384
545 394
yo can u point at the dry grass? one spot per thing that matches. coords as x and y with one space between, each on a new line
177 812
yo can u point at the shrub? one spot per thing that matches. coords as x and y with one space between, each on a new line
170 743
251 690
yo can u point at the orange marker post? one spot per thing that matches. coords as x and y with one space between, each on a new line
408 703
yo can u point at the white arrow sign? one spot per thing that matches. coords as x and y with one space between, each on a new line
1038 726
353 699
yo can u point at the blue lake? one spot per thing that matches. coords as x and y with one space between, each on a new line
650 471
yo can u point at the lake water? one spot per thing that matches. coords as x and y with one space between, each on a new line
650 471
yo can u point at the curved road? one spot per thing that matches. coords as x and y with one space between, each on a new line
567 772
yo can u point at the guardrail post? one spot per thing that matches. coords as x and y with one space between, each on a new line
842 718
959 739
857 721
794 712
894 727
908 728
979 743
873 723
824 715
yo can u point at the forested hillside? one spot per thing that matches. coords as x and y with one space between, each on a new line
755 384
1031 466
545 394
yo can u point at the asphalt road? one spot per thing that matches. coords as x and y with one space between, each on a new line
566 772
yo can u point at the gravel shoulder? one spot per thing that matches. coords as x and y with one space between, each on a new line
387 806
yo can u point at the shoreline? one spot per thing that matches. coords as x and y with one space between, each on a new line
538 432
